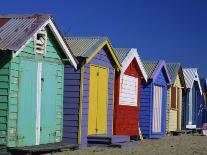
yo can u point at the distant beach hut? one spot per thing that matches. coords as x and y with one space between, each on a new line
127 92
88 93
31 80
201 107
174 106
153 102
190 98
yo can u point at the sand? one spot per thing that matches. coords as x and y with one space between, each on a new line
170 145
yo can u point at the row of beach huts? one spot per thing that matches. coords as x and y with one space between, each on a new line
81 90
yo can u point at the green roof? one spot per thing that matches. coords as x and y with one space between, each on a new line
84 46
121 53
150 67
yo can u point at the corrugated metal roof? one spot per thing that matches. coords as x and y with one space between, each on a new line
191 75
122 53
173 69
15 30
150 67
80 46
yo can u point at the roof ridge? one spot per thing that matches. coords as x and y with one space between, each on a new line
85 37
19 16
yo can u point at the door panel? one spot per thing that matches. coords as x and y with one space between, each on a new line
48 104
102 101
26 128
157 109
93 96
98 100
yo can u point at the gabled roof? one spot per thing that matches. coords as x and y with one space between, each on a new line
191 75
87 47
153 68
175 69
126 55
17 30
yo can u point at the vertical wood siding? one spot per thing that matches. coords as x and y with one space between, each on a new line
146 107
52 56
157 108
174 116
102 58
71 104
4 89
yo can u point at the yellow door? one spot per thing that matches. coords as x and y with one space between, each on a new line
98 96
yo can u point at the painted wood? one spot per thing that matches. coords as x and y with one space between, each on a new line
97 117
146 106
71 104
26 128
16 114
127 125
77 130
157 109
128 90
174 114
4 90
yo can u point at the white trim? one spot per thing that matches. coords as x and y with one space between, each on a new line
38 110
57 36
131 55
62 43
190 107
189 126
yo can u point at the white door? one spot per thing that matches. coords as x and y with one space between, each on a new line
157 109
128 90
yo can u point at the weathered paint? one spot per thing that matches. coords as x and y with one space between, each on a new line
127 125
173 121
146 105
18 95
81 103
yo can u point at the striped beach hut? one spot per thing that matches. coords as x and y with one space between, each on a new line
153 100
174 106
88 93
127 92
31 80
190 98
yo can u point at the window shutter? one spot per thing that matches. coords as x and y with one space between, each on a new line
173 98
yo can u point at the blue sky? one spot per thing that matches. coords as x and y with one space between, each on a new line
173 30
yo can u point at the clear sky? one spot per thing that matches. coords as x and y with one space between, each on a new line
173 30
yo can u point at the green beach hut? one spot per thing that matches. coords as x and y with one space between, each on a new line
32 54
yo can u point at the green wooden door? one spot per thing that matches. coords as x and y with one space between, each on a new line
48 104
26 128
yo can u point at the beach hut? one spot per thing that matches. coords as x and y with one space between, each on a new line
88 93
31 80
127 92
174 106
153 100
190 98
201 107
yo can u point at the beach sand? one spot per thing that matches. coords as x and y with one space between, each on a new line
169 145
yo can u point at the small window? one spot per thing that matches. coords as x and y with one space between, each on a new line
40 42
